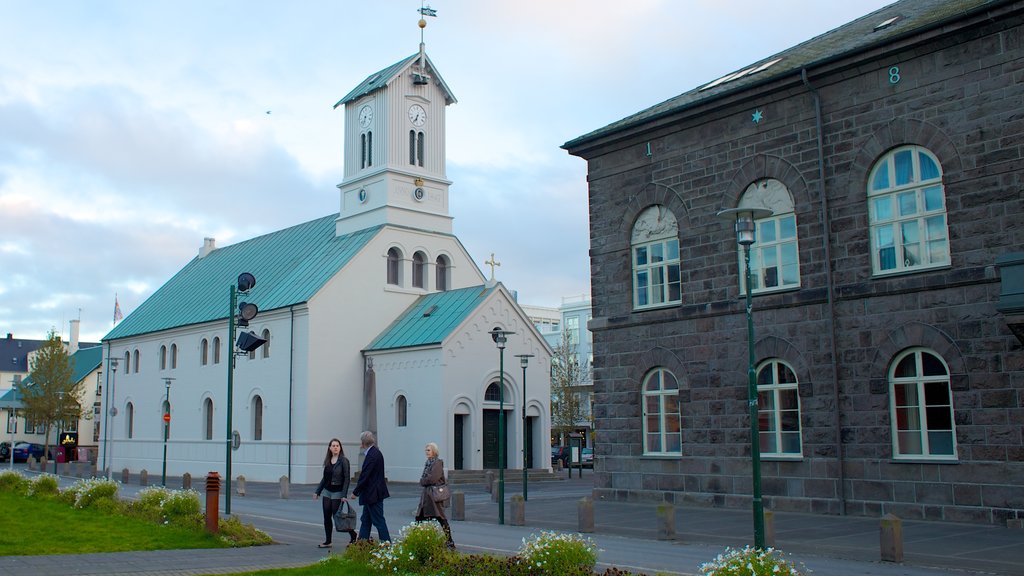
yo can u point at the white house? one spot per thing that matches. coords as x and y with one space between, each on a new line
375 318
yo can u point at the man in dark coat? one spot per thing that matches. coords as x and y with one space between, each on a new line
372 489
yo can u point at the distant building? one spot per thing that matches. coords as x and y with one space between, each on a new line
888 373
574 315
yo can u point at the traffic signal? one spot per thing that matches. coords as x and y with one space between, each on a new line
249 341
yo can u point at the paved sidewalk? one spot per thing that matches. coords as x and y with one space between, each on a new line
625 533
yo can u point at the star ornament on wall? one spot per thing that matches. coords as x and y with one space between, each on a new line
757 116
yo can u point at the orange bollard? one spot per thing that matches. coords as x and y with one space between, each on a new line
212 502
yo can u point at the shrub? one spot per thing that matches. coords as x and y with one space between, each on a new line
360 551
86 493
11 481
749 562
234 532
471 564
43 485
556 554
419 546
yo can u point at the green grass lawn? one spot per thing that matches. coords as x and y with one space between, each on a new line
38 526
332 567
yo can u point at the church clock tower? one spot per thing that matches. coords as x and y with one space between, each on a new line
395 149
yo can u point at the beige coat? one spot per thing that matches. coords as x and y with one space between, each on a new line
431 476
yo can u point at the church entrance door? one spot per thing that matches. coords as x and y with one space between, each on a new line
491 439
460 447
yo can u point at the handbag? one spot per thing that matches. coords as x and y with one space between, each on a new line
440 493
345 517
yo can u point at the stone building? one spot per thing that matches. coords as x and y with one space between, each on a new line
889 152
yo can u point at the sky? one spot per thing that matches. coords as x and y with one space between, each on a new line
130 131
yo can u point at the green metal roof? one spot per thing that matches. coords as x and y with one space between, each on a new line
431 318
85 361
378 80
290 266
910 17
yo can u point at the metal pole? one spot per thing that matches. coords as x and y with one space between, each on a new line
501 432
14 420
231 376
524 430
167 429
755 445
112 413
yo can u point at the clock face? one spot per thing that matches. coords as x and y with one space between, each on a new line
365 116
417 115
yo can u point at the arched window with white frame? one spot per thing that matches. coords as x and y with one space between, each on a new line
778 410
163 357
419 270
216 349
208 419
442 266
774 255
662 422
174 356
656 268
204 352
401 411
266 346
257 417
394 266
921 407
129 420
907 212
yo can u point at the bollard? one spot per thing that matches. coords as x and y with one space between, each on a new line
29 464
143 477
285 487
586 515
494 490
891 538
212 502
78 469
1015 523
240 485
458 506
666 522
186 481
518 511
125 476
769 528
490 480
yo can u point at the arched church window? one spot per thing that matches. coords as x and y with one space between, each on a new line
257 418
208 419
419 270
420 143
401 411
412 147
442 267
394 266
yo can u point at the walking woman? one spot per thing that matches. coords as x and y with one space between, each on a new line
334 488
429 509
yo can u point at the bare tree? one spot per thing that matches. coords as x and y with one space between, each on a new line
49 394
568 374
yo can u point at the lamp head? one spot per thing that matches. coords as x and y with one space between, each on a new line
744 222
246 282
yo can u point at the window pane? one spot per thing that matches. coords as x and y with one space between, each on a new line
765 376
907 368
675 290
904 164
657 253
672 249
932 198
771 268
931 366
767 230
668 381
907 419
882 208
909 442
788 399
908 203
928 168
641 256
911 242
787 227
789 421
939 418
790 442
653 383
673 442
881 180
940 443
786 376
936 394
654 442
790 268
768 445
766 401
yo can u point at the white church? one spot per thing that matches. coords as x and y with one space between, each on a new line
374 318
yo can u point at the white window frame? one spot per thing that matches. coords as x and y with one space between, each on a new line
664 397
771 421
919 411
769 244
656 232
888 223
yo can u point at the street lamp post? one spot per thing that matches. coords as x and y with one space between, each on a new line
60 428
500 337
524 361
745 227
108 410
167 429
110 413
13 416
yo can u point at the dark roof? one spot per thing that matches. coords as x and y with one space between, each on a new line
290 266
14 354
911 17
378 80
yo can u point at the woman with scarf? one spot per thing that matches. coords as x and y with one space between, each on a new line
429 509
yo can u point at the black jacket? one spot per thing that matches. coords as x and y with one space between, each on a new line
336 478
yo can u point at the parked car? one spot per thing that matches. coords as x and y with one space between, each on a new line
24 450
587 458
5 451
560 453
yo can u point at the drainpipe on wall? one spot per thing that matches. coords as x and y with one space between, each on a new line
826 222
291 383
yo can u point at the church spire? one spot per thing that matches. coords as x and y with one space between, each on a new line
421 77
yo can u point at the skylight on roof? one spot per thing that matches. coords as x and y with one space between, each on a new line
887 23
741 74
